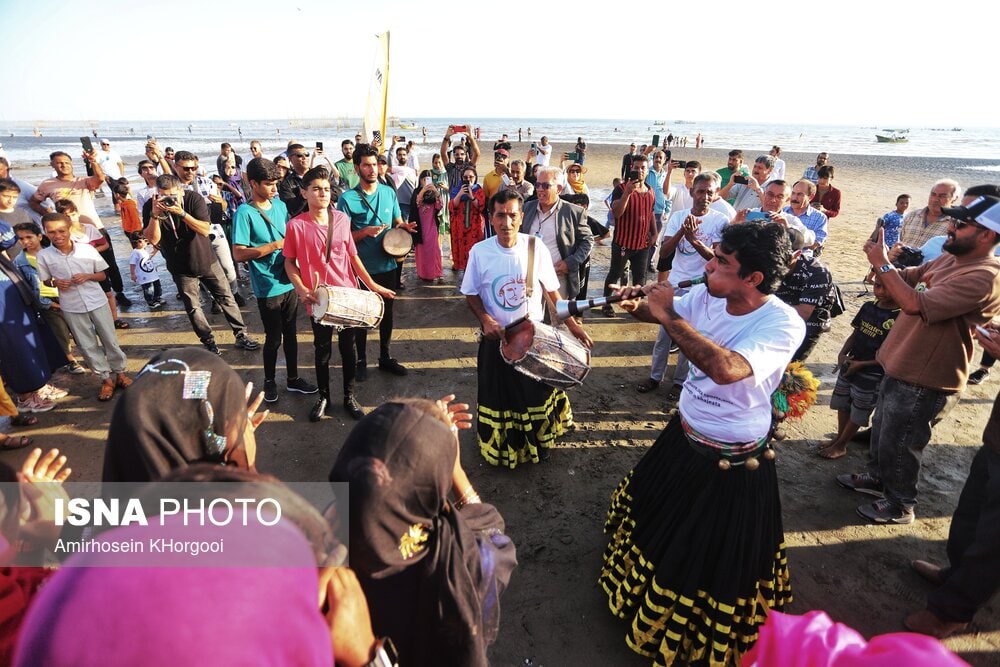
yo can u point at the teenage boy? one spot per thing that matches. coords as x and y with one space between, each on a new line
76 269
258 237
319 250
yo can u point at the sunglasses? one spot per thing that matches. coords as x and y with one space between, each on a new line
192 168
300 154
961 224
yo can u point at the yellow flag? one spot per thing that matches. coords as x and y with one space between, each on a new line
378 94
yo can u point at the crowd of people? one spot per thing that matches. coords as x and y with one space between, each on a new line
695 559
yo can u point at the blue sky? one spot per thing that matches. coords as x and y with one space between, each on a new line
777 61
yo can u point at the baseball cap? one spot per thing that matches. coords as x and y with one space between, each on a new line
984 210
501 151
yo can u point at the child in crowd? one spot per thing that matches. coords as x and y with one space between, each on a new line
856 391
143 271
81 232
128 209
892 223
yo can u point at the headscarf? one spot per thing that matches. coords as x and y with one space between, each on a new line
96 610
162 421
577 186
399 461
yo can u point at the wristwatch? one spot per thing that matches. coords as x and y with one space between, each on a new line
385 654
886 268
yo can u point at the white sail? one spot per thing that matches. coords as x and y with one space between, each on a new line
378 93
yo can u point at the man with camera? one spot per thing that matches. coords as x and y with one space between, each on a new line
562 227
632 208
176 220
458 162
747 191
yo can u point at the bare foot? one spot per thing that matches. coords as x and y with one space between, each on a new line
830 452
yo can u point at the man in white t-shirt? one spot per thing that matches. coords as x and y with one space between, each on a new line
710 476
778 173
519 418
541 153
110 161
688 240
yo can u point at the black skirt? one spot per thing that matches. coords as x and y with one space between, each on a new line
697 556
517 416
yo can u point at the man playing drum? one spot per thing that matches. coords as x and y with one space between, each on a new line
319 250
519 418
373 209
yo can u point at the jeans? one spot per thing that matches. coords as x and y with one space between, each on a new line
103 359
973 543
387 280
152 292
904 416
216 284
661 353
323 342
277 314
637 259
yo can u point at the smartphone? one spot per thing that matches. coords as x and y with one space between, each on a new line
460 128
678 164
878 226
88 145
428 180
757 215
402 140
741 179
633 175
534 146
573 157
319 145
656 140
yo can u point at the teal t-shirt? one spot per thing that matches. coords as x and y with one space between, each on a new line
267 274
383 203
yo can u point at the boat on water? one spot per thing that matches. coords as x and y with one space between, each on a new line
889 136
407 125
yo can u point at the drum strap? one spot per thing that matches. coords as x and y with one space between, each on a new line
529 286
364 199
274 230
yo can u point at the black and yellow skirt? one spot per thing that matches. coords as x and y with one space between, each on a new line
517 416
697 556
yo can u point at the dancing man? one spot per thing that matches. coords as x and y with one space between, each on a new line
519 418
697 556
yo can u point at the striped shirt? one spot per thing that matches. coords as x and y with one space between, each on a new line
633 230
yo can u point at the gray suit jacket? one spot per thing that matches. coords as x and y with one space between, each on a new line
573 237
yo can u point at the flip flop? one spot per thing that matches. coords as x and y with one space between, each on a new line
121 324
824 452
23 420
21 441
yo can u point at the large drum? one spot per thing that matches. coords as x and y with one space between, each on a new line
397 242
546 354
344 307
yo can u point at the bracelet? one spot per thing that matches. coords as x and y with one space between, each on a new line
468 496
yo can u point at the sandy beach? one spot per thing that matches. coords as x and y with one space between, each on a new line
553 612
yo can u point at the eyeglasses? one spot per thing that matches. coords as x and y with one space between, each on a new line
190 168
544 186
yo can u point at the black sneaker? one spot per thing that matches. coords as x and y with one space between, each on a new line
390 365
318 410
300 386
884 511
979 375
674 348
123 300
353 407
861 482
245 342
270 391
213 347
157 305
361 370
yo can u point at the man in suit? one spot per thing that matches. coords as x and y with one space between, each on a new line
562 227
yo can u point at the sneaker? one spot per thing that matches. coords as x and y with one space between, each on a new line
270 391
34 403
300 386
353 407
123 300
157 305
979 375
75 368
390 365
862 483
245 342
674 348
885 511
863 436
213 347
608 311
318 410
50 393
361 370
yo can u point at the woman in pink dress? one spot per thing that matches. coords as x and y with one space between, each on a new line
424 208
468 227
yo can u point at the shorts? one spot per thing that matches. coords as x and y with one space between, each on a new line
858 397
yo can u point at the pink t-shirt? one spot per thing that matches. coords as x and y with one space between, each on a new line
305 242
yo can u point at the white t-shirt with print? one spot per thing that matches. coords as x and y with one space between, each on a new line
145 268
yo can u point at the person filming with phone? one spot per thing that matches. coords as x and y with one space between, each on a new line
632 207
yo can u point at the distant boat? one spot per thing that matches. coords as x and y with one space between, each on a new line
892 137
684 122
407 125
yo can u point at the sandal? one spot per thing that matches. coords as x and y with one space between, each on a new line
647 385
121 324
107 390
123 381
12 442
23 420
674 395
